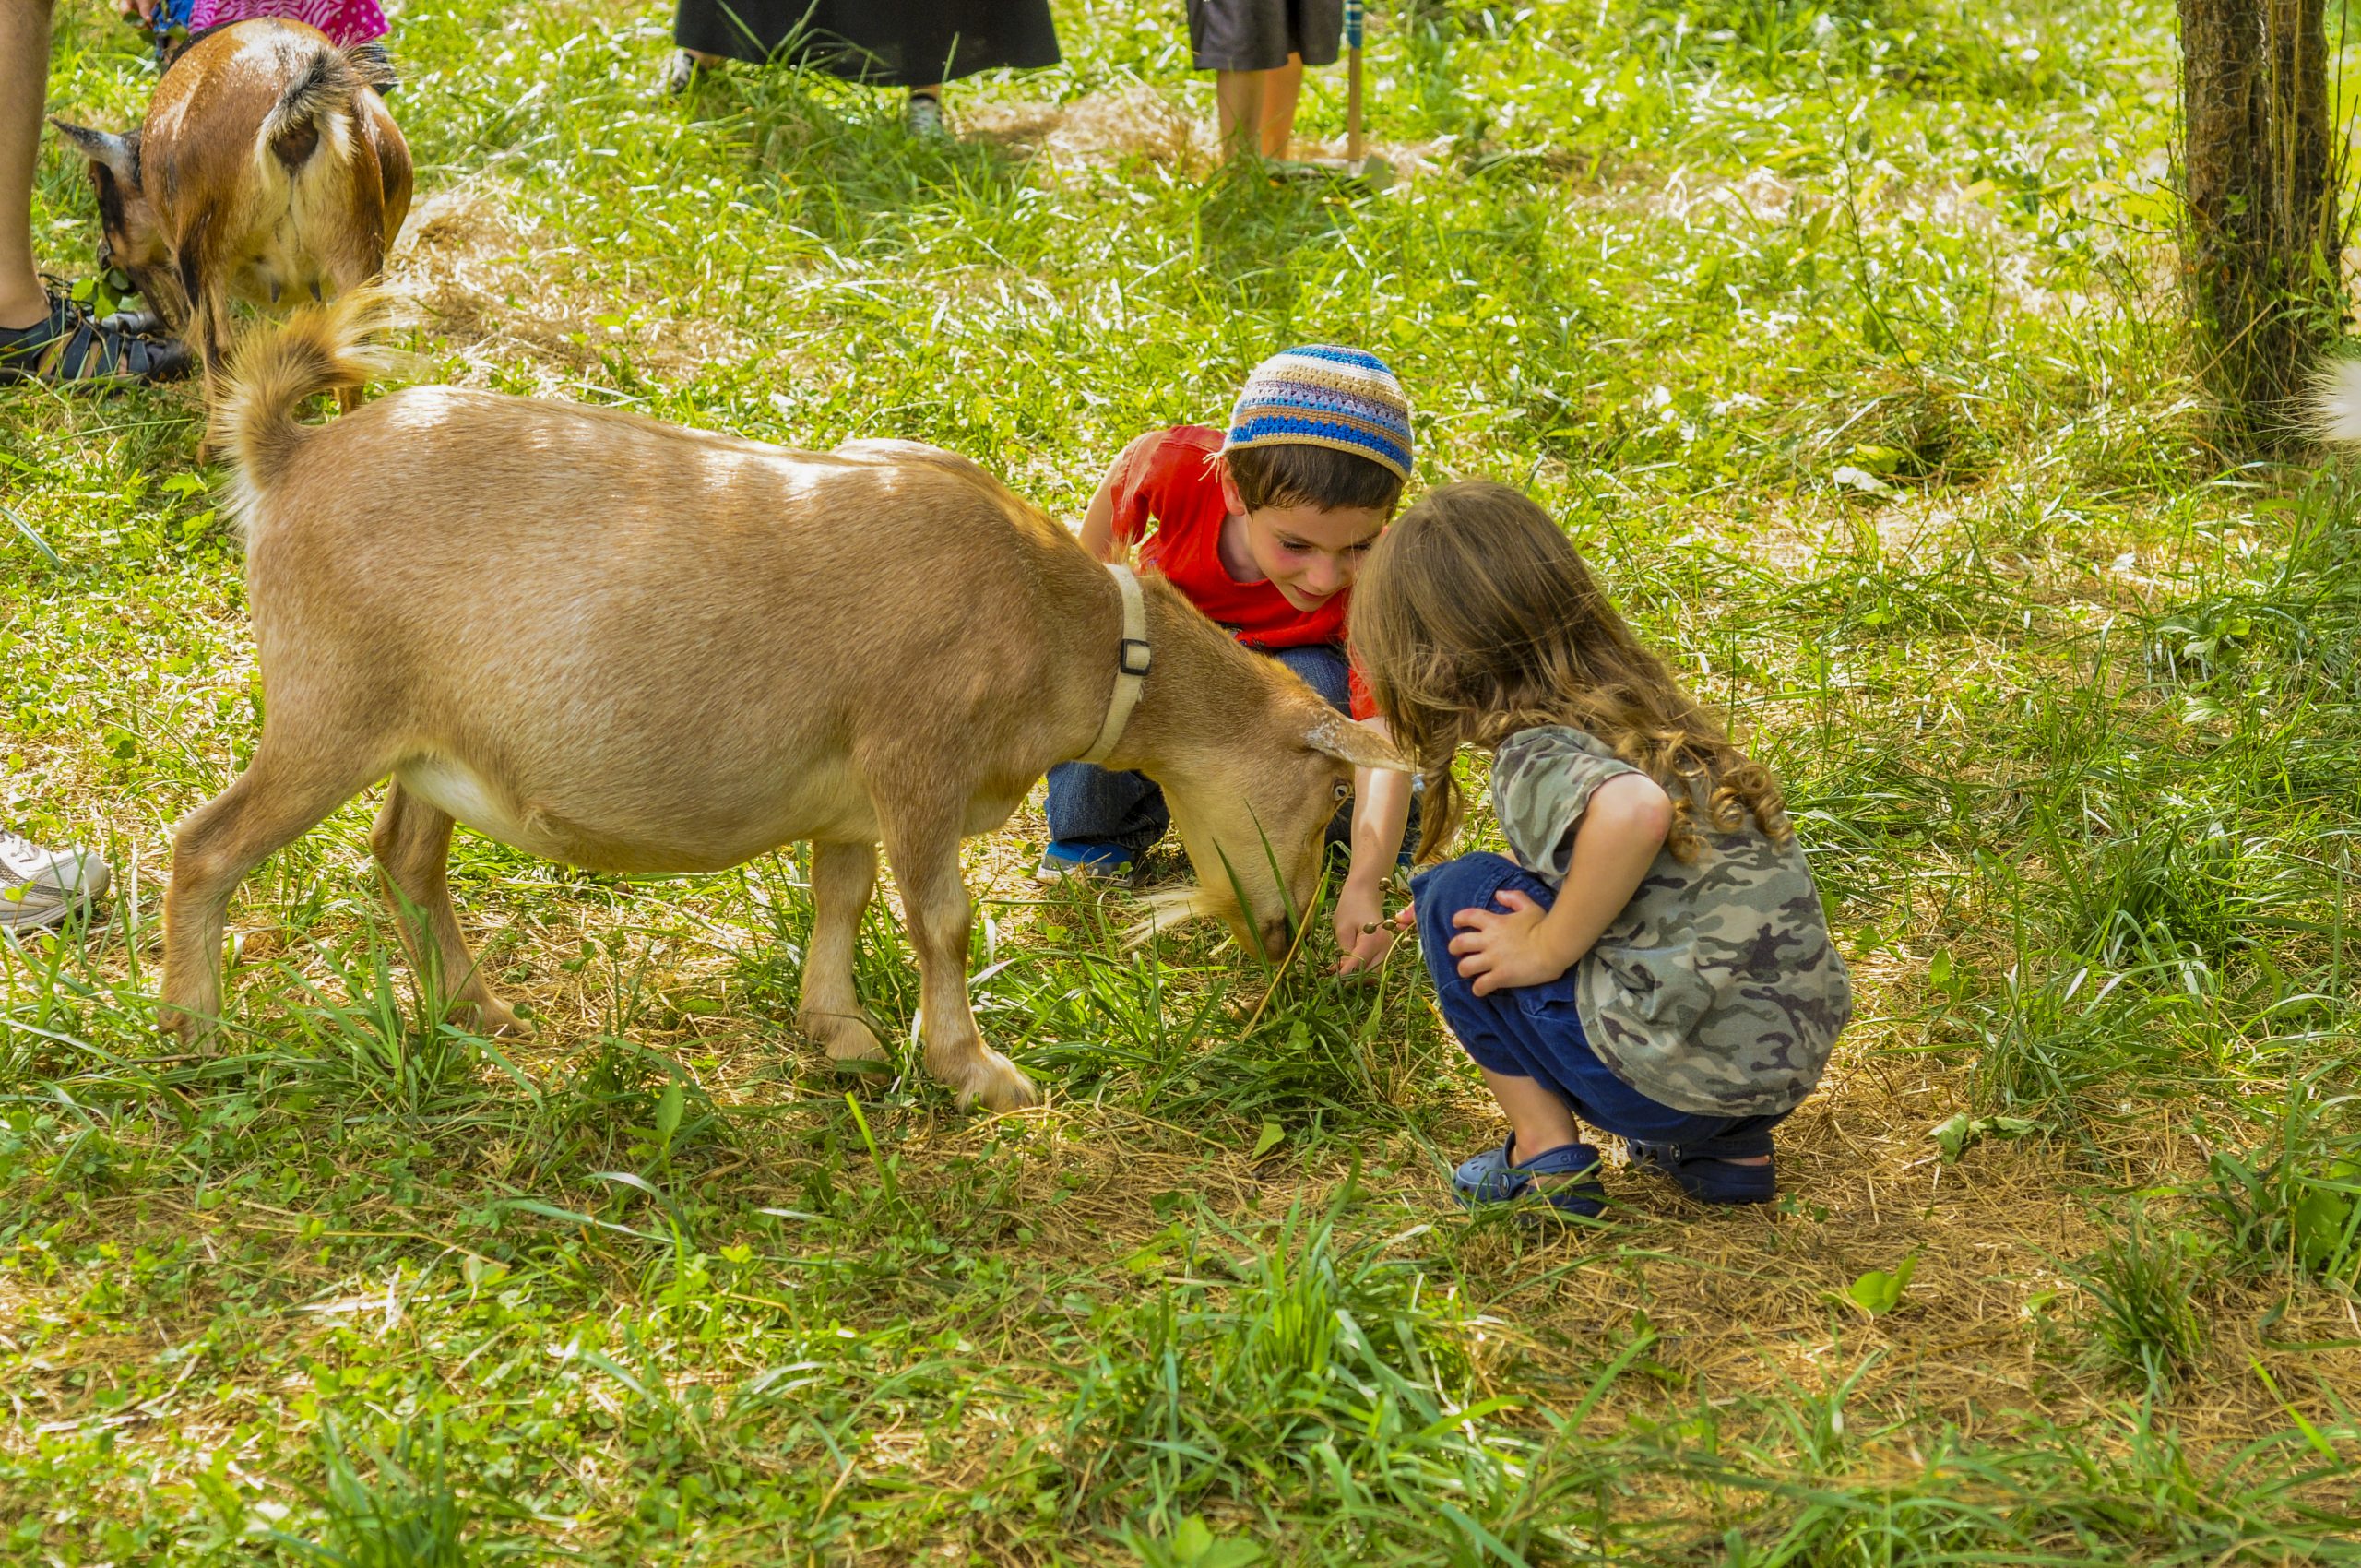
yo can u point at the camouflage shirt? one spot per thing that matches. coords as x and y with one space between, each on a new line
1717 990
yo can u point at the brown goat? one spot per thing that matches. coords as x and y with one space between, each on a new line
643 648
268 167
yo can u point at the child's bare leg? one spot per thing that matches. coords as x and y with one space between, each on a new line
1539 1118
1238 102
1280 89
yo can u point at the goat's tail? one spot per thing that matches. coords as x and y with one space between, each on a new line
317 102
320 349
2336 400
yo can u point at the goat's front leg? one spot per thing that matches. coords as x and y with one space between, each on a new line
208 327
842 878
924 852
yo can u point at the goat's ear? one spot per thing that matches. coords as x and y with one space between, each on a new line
118 153
1332 734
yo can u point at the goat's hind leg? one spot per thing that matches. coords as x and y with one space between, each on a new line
412 843
843 877
275 801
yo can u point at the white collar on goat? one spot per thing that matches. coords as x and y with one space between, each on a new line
1133 658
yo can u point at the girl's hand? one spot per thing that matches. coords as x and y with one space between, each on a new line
145 10
1362 935
1505 950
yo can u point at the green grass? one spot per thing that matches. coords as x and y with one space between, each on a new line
2069 710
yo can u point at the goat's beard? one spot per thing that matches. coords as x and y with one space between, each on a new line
1171 908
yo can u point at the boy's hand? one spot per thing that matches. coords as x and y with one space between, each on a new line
1507 950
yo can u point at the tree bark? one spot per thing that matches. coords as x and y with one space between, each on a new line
2261 240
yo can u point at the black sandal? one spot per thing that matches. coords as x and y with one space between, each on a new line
73 347
1703 1169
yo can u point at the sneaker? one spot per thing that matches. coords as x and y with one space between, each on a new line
679 73
924 118
42 889
1083 857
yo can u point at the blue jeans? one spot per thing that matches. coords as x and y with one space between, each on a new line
1535 1032
1127 809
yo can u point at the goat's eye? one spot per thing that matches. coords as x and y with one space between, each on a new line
1344 791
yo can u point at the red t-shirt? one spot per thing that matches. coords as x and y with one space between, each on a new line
1168 480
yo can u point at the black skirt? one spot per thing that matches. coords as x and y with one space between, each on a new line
883 42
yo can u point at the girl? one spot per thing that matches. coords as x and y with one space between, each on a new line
1654 959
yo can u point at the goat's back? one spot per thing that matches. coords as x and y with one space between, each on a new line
265 148
451 547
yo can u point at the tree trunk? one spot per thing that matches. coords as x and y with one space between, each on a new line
2261 240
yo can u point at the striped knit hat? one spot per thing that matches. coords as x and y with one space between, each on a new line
1318 396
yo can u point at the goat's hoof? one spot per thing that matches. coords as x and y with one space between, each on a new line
998 1085
497 1020
184 1029
845 1040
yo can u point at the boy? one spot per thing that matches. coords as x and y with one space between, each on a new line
1263 529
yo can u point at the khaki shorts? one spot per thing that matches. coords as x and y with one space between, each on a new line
1259 35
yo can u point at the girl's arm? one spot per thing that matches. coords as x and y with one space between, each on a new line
1615 843
1381 810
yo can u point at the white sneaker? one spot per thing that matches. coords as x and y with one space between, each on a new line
679 73
42 889
924 118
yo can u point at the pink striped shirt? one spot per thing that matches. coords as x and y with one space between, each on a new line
346 22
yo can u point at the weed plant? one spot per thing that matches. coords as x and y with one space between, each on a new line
1843 335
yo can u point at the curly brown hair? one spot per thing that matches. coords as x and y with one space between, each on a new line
1475 618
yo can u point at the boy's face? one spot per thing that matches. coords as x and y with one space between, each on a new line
1309 554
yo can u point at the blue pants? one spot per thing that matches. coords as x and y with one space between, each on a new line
1535 1032
1127 809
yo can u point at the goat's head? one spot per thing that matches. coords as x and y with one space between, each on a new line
131 236
1254 810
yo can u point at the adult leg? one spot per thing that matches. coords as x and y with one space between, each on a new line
843 877
1239 98
24 80
412 843
50 339
922 115
1280 89
1240 42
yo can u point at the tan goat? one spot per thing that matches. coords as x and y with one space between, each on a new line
641 648
267 166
